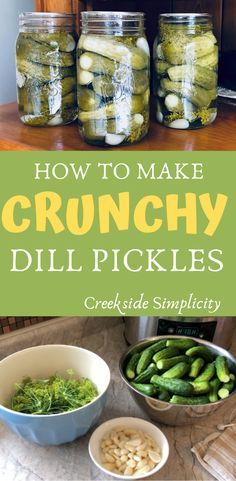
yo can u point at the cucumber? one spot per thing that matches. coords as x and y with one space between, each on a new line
130 371
97 64
202 387
38 99
201 351
133 104
87 99
222 369
43 73
177 371
172 361
189 400
127 125
175 51
193 74
94 129
182 344
63 41
134 57
214 388
146 375
147 354
43 54
196 367
226 390
147 389
106 86
197 95
207 374
164 395
175 386
165 354
210 60
161 66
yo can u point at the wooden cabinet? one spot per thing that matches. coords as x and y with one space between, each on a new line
64 6
223 12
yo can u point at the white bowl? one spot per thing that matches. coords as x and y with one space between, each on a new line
42 362
133 423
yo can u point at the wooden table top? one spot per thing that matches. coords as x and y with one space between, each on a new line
221 135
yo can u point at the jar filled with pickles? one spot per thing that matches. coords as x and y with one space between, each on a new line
185 71
46 69
113 78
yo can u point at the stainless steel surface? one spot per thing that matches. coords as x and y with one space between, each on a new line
165 412
138 328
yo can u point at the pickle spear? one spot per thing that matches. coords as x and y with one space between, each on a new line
43 54
45 73
64 41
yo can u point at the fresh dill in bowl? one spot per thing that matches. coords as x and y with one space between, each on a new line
53 395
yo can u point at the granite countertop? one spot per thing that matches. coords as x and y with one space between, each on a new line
23 461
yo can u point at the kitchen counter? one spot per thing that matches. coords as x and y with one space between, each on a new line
22 461
218 136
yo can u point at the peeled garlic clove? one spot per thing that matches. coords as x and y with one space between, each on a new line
109 458
85 77
57 120
114 139
131 463
161 93
138 119
143 470
159 52
142 447
70 43
85 61
109 466
159 117
143 44
20 79
213 116
142 463
179 124
135 442
154 456
128 471
173 102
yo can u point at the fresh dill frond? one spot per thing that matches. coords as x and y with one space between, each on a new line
53 395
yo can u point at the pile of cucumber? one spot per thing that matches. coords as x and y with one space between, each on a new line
46 78
185 73
113 88
180 371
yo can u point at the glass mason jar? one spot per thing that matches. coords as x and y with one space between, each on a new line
113 78
185 76
46 69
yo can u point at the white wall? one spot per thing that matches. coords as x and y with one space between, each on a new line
9 11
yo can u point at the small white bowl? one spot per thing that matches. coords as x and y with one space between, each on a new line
132 423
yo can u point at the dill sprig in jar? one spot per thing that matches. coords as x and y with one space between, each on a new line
113 78
185 71
46 69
